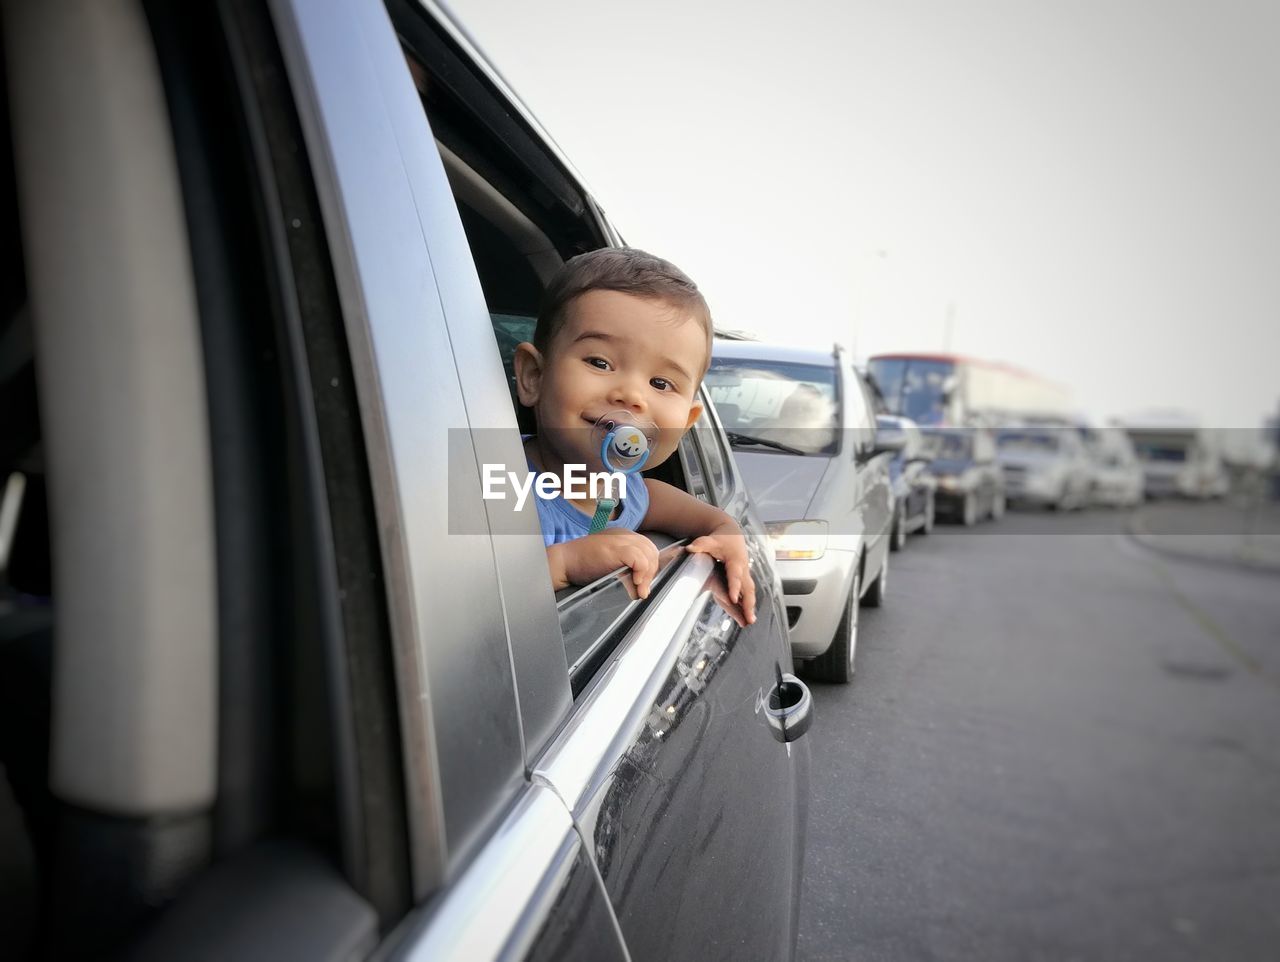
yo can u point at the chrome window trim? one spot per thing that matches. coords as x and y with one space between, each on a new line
734 499
620 697
695 473
488 913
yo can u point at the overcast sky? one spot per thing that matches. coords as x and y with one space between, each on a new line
1092 187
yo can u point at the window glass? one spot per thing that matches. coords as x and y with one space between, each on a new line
913 387
949 445
711 444
796 405
595 616
692 464
1150 450
1040 442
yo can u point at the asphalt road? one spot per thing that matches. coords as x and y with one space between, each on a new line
1058 746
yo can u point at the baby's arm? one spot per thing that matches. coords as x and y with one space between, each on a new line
681 515
583 560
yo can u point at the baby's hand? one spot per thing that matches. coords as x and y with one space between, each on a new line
727 544
583 560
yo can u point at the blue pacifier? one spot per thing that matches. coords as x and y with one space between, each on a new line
625 446
625 441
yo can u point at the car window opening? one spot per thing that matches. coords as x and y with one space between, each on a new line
520 232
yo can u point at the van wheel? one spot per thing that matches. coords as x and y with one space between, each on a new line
879 589
930 511
898 539
997 506
836 663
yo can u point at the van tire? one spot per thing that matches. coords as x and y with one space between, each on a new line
997 506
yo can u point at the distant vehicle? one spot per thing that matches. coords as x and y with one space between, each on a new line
1115 471
801 425
731 334
1179 457
913 486
970 484
948 390
1044 466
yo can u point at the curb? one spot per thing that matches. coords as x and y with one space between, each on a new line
1153 542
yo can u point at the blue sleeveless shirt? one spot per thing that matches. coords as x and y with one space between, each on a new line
561 521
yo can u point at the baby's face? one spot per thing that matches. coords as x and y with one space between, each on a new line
617 351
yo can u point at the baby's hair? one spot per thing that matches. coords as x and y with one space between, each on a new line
623 269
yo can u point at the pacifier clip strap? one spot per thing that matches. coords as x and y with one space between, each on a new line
604 511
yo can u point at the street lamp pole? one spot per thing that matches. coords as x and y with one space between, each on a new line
948 325
860 317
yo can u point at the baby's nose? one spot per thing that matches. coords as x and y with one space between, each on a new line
627 394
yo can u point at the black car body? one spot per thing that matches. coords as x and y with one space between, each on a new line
914 487
296 689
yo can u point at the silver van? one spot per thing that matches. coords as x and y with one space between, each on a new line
276 681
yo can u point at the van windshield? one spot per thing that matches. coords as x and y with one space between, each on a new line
795 405
914 387
1040 441
1158 451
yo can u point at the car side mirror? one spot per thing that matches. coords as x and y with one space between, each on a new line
889 443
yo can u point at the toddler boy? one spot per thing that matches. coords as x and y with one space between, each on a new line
622 330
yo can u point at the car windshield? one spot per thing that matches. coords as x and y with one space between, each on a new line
912 387
1038 441
777 403
949 445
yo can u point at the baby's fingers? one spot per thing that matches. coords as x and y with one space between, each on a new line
704 545
748 600
733 575
643 565
740 584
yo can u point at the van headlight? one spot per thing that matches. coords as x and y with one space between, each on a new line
798 540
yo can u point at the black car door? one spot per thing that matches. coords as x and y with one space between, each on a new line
675 772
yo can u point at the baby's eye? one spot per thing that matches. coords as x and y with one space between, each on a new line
598 363
662 384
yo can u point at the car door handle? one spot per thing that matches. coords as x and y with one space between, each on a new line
789 708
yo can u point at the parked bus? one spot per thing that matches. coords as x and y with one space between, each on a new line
949 389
